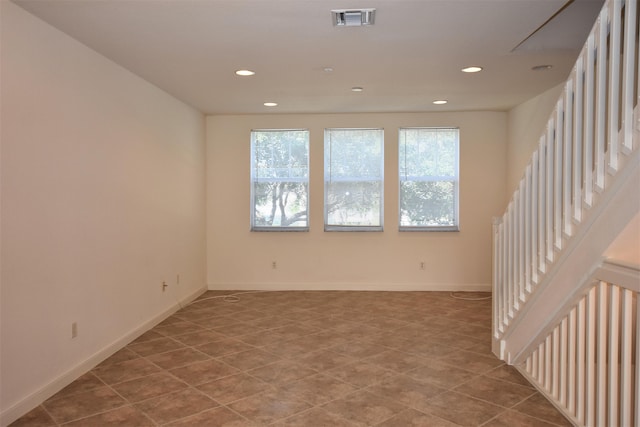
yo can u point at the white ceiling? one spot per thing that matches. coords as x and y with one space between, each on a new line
410 57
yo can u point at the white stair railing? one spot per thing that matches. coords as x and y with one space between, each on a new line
575 340
588 364
589 139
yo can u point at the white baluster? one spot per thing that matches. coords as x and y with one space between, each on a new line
614 342
557 179
614 12
626 352
577 140
527 231
628 74
542 213
581 355
601 352
601 99
535 225
567 170
550 151
555 362
588 122
591 357
563 362
571 359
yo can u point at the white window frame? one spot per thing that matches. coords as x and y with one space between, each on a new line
328 178
404 177
254 180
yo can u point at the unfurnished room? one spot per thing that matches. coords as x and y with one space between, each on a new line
319 213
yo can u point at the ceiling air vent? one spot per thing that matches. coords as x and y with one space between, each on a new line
353 18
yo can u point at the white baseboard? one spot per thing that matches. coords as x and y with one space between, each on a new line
36 398
381 287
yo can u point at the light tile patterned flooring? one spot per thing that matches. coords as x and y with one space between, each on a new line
309 359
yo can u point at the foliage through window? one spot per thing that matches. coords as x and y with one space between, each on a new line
353 174
429 178
279 180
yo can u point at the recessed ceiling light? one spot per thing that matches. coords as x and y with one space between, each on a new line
327 69
472 69
245 73
440 101
270 104
356 89
542 67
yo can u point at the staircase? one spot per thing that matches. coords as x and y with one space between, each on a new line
564 315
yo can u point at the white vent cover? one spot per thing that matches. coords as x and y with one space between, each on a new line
353 18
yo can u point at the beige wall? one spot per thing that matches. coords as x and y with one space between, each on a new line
526 123
240 259
102 200
626 247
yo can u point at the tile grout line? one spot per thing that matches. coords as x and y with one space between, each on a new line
353 320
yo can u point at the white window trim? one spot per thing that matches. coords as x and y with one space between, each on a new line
357 228
252 180
431 178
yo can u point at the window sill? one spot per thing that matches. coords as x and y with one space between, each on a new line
331 228
453 228
276 229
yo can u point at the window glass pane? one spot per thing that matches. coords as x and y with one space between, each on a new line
353 179
428 178
279 179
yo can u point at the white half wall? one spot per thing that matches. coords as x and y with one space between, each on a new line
240 259
103 199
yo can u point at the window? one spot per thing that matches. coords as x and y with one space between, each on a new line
429 179
353 179
279 180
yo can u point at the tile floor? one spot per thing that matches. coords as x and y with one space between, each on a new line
311 359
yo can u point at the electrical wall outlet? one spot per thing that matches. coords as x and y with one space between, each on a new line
274 265
164 286
421 265
74 329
